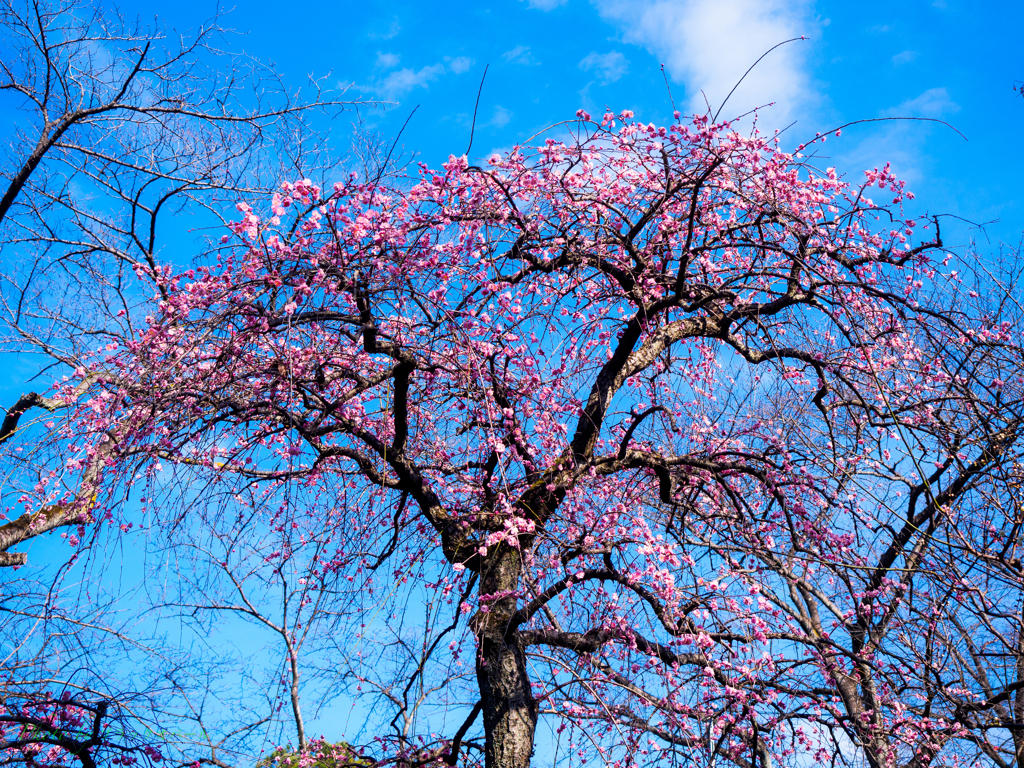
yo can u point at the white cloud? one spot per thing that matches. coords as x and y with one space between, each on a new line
393 29
935 102
609 66
402 81
904 57
546 5
458 65
896 143
518 55
709 44
902 143
501 117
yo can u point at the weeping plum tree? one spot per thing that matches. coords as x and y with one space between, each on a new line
712 456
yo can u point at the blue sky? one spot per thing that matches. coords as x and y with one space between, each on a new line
948 59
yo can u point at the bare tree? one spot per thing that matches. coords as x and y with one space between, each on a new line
130 138
129 142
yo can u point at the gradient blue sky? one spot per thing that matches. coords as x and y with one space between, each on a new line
948 59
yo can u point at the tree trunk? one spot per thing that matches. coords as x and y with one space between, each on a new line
1018 700
509 709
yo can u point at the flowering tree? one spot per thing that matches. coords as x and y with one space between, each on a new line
54 731
708 455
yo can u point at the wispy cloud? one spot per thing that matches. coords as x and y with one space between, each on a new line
501 117
400 82
545 5
608 66
935 102
904 57
392 31
899 142
519 55
459 64
709 44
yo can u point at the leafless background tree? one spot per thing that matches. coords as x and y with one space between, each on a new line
128 141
